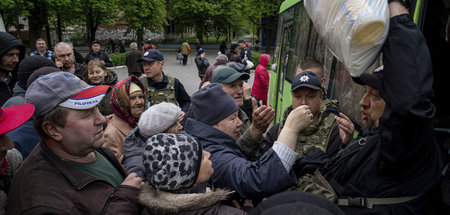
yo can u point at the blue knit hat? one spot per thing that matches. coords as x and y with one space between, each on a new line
200 51
211 104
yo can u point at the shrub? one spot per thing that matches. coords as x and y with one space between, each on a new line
118 59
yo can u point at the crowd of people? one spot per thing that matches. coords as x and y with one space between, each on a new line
76 140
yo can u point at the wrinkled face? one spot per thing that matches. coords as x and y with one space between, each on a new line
307 96
236 90
230 125
153 68
10 59
137 105
176 128
372 107
96 75
65 55
96 47
206 169
83 131
41 45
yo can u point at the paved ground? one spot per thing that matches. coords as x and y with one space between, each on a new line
188 75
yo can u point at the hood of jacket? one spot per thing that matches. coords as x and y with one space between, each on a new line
111 80
264 60
161 202
9 42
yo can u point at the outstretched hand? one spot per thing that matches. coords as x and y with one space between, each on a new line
346 128
262 117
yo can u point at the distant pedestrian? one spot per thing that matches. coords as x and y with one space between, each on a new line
122 47
96 52
185 49
202 63
223 47
147 46
260 86
42 50
112 45
220 60
198 46
131 61
245 53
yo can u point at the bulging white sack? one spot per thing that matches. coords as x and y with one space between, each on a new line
354 30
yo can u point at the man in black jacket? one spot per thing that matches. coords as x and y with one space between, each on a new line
395 167
96 52
11 53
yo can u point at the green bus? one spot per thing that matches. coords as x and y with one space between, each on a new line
297 39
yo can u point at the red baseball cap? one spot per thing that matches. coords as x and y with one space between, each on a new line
14 116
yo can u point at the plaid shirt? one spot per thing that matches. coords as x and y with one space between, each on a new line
48 54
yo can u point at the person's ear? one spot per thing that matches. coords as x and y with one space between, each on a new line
52 131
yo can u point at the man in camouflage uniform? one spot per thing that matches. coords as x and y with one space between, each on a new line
161 87
323 133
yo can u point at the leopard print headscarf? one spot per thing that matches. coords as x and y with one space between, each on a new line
172 161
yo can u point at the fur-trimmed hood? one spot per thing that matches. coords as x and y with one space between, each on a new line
161 202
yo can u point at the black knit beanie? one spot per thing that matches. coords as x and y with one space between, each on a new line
211 104
40 72
29 65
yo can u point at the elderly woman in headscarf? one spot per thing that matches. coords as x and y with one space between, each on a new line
127 103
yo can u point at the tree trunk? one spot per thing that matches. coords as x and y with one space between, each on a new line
58 27
47 33
270 25
36 21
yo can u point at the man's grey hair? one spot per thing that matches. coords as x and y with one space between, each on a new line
133 46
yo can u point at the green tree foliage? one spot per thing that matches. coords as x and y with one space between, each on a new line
267 9
98 12
60 16
143 14
12 11
204 15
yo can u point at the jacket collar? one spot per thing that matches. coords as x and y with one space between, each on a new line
210 134
162 202
77 178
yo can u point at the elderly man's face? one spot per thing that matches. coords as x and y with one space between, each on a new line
372 107
10 59
236 90
83 132
41 45
230 125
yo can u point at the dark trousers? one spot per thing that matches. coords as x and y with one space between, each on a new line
185 59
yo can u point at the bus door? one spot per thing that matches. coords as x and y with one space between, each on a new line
282 68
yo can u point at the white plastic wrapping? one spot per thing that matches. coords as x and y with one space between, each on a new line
354 30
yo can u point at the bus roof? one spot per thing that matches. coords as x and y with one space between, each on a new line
287 4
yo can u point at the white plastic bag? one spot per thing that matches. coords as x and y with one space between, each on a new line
354 30
250 65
